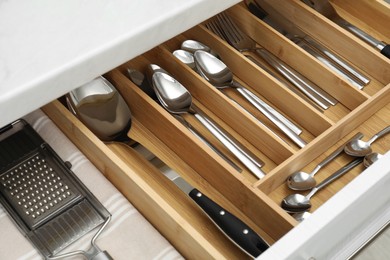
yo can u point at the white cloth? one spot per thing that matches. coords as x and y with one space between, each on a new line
128 236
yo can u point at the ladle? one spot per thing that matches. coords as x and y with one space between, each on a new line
176 99
361 148
295 203
305 181
191 46
371 158
218 74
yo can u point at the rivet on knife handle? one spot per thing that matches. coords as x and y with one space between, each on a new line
242 235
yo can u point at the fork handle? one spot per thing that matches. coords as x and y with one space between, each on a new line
314 92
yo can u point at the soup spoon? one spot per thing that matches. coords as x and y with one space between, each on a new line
176 99
218 74
186 57
361 148
295 203
371 158
305 181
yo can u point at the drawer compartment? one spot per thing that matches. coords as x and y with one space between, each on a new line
257 202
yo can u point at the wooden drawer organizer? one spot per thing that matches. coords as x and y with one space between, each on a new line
257 202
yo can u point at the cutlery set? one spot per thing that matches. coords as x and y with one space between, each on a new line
300 181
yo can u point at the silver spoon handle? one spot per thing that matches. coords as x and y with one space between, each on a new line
274 112
378 135
248 161
293 136
285 73
333 155
204 140
335 176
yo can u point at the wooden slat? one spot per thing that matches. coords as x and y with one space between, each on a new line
141 186
295 57
327 32
252 202
344 127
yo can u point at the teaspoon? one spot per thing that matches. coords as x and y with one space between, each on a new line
295 203
176 99
371 158
360 148
218 74
305 181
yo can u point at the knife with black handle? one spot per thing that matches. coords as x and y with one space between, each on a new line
235 229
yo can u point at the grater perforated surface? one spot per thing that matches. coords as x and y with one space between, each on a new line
36 189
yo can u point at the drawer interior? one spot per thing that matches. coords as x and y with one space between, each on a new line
255 201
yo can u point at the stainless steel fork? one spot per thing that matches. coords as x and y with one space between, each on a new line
225 28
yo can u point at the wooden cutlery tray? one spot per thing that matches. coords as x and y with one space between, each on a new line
257 202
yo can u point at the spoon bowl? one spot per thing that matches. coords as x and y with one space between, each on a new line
186 57
371 158
301 216
295 203
101 108
360 148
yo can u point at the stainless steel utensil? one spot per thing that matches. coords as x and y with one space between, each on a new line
218 74
138 79
273 111
186 57
361 148
235 229
298 203
305 181
324 55
325 8
223 26
371 158
176 99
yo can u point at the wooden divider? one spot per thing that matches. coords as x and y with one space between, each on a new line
328 33
296 57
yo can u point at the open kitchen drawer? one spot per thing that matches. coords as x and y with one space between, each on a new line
257 202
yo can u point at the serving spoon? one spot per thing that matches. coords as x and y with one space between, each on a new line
305 181
176 99
98 104
361 148
295 203
218 74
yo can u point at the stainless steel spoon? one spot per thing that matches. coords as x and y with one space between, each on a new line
371 158
218 74
192 46
186 57
175 98
138 78
361 148
305 181
301 216
98 104
102 109
298 203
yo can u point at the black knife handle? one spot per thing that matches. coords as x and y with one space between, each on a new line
386 51
236 230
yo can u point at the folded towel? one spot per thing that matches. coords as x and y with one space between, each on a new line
128 235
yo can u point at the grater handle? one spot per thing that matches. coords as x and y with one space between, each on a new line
103 255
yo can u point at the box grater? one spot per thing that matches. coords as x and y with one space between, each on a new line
44 197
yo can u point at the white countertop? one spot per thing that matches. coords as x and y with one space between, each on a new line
48 48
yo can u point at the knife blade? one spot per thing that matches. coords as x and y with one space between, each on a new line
231 226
